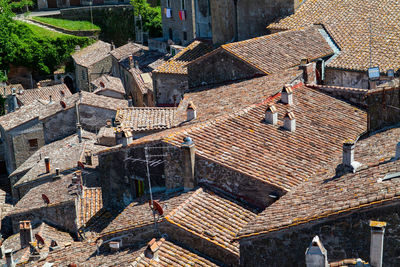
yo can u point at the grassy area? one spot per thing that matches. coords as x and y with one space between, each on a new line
43 32
68 24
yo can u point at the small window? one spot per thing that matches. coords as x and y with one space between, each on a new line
33 144
170 34
168 3
182 4
83 74
184 36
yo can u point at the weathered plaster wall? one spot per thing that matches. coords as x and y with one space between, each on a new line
82 80
344 238
93 118
99 68
169 88
217 68
59 125
223 21
346 78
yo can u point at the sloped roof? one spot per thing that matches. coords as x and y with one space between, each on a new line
245 143
55 92
355 26
110 83
177 64
23 115
126 50
92 53
7 90
146 119
326 195
283 50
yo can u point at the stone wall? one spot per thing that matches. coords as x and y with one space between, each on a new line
177 26
81 78
99 68
346 237
217 68
353 95
223 21
59 125
112 94
62 215
93 118
346 78
169 88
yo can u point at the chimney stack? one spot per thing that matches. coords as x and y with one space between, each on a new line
130 101
79 132
25 233
152 249
316 254
57 176
188 152
47 164
136 64
271 115
289 122
50 99
14 101
131 63
287 95
114 245
112 45
127 137
348 156
191 111
9 258
377 235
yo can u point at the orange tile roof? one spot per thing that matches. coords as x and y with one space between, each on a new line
283 50
177 64
89 204
350 23
244 143
326 195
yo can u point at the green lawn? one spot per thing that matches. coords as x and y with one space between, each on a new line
43 32
68 24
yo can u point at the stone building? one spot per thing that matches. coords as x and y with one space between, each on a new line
362 44
110 86
171 78
90 63
47 94
261 56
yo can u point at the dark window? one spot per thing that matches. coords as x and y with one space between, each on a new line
170 34
182 4
33 144
168 3
184 36
83 74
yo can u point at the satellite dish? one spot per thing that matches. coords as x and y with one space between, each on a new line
45 199
80 165
39 239
156 207
62 103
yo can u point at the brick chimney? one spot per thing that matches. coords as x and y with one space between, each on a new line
348 156
25 233
47 164
188 152
316 254
309 74
271 115
9 258
289 122
191 111
287 95
152 249
376 249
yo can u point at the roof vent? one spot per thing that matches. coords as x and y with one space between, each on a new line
348 156
271 115
287 95
115 245
191 111
47 164
316 254
289 122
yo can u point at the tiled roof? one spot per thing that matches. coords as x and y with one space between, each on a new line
143 80
110 83
64 157
90 203
47 232
355 26
126 50
212 217
7 90
177 64
56 92
245 143
139 213
148 60
326 195
22 115
146 119
92 54
283 50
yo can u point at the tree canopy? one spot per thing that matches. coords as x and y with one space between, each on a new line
151 16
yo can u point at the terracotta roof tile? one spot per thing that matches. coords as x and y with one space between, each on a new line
146 119
23 115
92 54
57 93
90 204
110 83
7 90
177 64
126 50
349 23
327 195
283 50
245 143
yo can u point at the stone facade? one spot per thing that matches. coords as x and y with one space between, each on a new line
346 78
169 88
85 75
217 68
223 21
343 237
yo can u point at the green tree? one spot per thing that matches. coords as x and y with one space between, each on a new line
151 17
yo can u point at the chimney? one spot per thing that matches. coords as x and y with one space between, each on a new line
348 156
152 249
127 137
77 48
131 63
289 122
130 101
14 101
79 132
34 251
191 111
316 254
50 99
57 176
188 152
271 115
38 85
287 95
376 250
112 45
136 64
114 245
9 258
309 71
25 233
47 164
